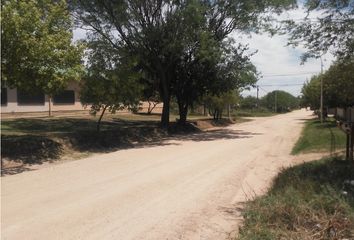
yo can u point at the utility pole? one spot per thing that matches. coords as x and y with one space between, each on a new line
257 96
321 104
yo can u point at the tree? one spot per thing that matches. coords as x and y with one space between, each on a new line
162 32
153 99
150 93
37 53
280 101
332 31
214 71
111 83
217 104
311 92
338 86
248 102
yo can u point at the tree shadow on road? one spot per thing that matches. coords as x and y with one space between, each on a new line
36 141
215 134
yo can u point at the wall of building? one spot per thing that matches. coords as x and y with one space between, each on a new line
76 106
13 106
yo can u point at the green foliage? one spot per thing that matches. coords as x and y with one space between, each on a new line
332 31
318 137
176 41
217 104
227 71
255 112
311 93
248 102
110 82
305 202
283 101
338 86
37 53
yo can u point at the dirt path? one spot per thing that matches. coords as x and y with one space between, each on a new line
186 189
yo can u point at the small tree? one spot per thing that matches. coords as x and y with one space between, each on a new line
110 83
37 53
217 104
248 102
150 94
280 101
311 92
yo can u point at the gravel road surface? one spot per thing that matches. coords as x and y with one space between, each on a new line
189 187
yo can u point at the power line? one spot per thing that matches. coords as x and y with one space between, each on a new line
315 20
289 74
263 89
281 85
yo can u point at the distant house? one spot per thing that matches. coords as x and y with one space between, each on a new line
16 101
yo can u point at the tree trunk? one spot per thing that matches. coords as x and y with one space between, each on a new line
99 120
351 150
165 117
49 106
183 111
215 114
149 108
166 98
220 115
204 110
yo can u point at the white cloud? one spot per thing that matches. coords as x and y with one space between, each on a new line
275 58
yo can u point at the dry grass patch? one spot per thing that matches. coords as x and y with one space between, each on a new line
311 201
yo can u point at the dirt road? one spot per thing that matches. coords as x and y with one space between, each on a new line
187 188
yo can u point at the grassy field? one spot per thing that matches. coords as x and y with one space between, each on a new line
320 137
311 201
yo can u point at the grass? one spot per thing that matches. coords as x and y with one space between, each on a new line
261 112
310 201
318 137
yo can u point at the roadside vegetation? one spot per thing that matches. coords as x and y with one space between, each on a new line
314 200
38 140
27 141
254 112
317 137
272 103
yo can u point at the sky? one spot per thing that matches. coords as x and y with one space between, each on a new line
280 65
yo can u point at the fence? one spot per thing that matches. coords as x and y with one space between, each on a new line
345 121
